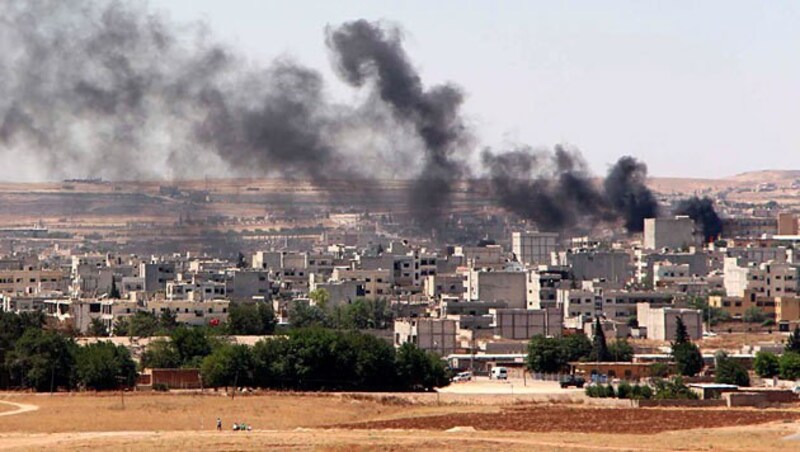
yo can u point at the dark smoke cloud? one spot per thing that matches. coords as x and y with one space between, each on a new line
552 189
111 89
628 195
702 211
366 52
556 191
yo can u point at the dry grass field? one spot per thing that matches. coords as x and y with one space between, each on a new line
395 422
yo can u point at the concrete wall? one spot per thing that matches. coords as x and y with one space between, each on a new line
661 323
672 233
608 265
491 286
522 324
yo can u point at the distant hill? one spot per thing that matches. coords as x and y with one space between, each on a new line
764 176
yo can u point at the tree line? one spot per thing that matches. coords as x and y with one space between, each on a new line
32 357
553 354
35 357
258 318
786 366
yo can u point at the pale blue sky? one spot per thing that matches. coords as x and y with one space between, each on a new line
694 88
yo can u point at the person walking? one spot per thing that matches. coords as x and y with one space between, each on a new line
219 424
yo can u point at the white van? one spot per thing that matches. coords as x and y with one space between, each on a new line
499 373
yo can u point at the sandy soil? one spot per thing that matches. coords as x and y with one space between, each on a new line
379 422
12 408
510 387
766 437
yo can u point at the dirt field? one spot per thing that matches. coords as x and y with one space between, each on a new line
379 422
587 420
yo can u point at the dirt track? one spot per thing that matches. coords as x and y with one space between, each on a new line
589 420
19 408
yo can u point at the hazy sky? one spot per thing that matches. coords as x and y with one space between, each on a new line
694 88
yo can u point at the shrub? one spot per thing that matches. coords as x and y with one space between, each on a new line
790 366
161 387
636 392
610 393
624 390
647 392
766 365
730 372
659 370
673 389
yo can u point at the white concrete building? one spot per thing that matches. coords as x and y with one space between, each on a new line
434 335
672 233
661 323
533 248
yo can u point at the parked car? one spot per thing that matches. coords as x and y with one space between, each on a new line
462 376
571 380
500 373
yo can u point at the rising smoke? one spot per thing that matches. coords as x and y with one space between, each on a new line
701 210
110 88
552 189
629 196
556 191
366 53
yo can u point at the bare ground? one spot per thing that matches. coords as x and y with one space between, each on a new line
352 422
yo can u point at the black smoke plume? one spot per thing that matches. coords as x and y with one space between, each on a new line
556 191
552 189
108 88
365 52
702 211
628 195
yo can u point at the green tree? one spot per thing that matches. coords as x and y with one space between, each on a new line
114 293
302 315
790 366
754 315
271 365
599 347
681 335
419 370
168 320
103 365
687 356
43 360
12 327
711 314
97 328
729 371
320 297
141 324
575 347
793 343
673 389
160 354
766 365
620 351
545 354
228 365
121 327
191 344
250 319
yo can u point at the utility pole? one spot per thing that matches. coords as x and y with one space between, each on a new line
122 381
